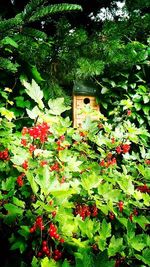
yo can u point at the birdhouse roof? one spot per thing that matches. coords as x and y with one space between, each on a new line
84 88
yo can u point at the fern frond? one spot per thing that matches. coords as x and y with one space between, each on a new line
47 10
8 24
32 6
6 64
34 33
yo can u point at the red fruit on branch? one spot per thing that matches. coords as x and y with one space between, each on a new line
129 112
147 161
121 205
24 130
23 142
25 165
125 148
143 189
118 150
111 215
20 180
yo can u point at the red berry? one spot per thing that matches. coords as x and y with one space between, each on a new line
24 130
125 148
32 229
44 243
53 213
39 254
56 236
120 204
61 240
44 249
25 165
23 142
129 112
118 149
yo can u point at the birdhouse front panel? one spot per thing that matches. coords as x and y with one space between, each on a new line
79 103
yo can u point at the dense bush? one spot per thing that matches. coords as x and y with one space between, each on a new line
74 197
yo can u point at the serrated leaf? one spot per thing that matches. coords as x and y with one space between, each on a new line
138 242
141 220
9 41
66 264
34 113
57 106
115 245
18 202
24 231
145 256
32 182
105 231
19 244
13 209
34 91
48 263
9 115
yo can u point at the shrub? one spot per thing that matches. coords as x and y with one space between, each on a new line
72 197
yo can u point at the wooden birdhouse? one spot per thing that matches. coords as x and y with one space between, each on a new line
84 93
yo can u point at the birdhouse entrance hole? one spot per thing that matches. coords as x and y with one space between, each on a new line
86 100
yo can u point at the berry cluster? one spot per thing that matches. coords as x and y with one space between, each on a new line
55 167
86 211
57 254
45 250
124 148
53 231
4 155
38 224
134 213
25 165
143 188
43 163
119 262
40 131
23 142
20 181
108 162
59 143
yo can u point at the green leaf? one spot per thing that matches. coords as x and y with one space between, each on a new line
115 245
13 209
8 184
18 202
138 242
101 260
19 244
66 264
9 115
24 231
88 227
145 256
48 263
35 262
34 91
146 99
146 110
52 9
57 106
32 182
141 220
105 231
36 74
9 41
